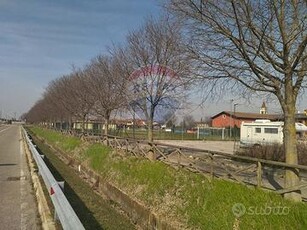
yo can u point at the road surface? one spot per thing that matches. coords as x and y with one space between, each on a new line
18 209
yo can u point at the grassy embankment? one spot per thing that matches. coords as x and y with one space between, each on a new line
185 197
95 213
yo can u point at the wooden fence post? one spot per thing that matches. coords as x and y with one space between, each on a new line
178 158
259 174
211 166
151 153
115 145
127 145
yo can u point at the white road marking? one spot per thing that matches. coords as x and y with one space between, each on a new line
5 129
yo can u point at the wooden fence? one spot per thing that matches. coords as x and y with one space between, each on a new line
262 173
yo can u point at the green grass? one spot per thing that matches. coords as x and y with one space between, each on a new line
131 171
192 199
210 206
65 143
162 135
98 155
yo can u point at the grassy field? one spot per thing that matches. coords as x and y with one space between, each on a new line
162 135
188 199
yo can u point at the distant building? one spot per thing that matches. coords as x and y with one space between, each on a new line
234 119
231 119
201 124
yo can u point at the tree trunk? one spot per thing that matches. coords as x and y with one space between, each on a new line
106 117
101 127
70 124
106 125
151 155
83 124
290 147
150 129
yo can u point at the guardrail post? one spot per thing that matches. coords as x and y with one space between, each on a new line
61 184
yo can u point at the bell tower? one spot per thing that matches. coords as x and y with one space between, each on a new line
263 109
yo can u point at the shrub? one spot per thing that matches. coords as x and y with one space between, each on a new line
275 152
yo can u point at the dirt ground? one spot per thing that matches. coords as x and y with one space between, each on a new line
219 146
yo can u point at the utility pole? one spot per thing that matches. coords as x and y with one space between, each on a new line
234 115
182 128
235 137
234 111
230 118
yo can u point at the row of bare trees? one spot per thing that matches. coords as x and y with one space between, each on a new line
147 76
242 46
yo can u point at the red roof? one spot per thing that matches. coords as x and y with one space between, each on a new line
241 115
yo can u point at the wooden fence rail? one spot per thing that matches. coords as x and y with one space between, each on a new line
242 169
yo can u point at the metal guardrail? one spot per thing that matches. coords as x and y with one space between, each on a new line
64 211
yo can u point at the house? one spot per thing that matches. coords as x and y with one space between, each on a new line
234 119
92 125
201 124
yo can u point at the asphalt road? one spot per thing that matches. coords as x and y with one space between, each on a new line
18 209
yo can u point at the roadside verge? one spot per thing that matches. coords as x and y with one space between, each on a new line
44 210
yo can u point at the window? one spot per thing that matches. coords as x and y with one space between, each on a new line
258 130
271 130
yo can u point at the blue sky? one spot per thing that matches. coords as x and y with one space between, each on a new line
41 39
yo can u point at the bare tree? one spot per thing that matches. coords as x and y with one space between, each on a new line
157 83
80 97
99 88
169 119
188 122
108 86
38 113
46 111
260 45
56 109
71 94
